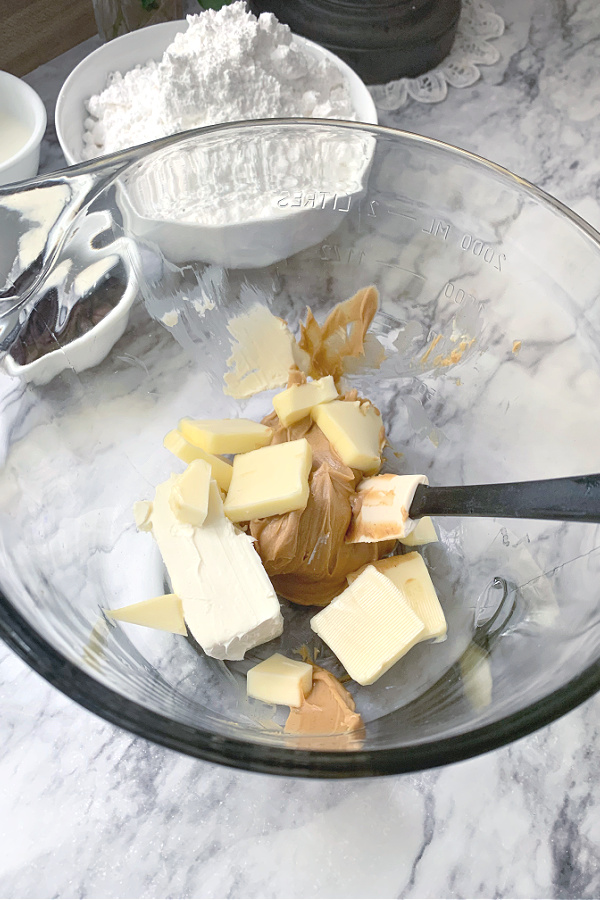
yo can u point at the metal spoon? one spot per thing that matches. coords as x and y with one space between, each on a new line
575 499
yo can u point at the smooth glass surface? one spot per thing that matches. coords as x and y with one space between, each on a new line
491 326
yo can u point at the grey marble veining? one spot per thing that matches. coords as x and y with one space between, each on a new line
90 811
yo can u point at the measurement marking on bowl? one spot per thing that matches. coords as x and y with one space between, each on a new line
346 255
468 243
478 247
374 204
390 265
438 228
313 199
401 215
459 296
350 256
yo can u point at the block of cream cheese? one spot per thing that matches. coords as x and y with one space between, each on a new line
355 431
229 604
410 575
164 613
189 497
369 627
280 680
298 400
269 481
226 435
423 533
264 350
221 469
142 513
383 505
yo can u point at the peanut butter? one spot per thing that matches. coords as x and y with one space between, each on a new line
304 551
342 337
327 710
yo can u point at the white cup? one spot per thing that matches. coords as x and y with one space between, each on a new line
19 101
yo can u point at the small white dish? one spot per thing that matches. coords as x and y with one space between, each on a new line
84 352
85 269
137 48
23 123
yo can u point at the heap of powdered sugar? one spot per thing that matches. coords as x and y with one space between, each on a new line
227 66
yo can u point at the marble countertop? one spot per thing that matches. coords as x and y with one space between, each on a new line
87 810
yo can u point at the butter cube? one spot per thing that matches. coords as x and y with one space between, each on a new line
226 435
164 613
355 431
189 494
297 401
221 469
369 627
384 506
280 680
411 576
142 513
423 533
269 481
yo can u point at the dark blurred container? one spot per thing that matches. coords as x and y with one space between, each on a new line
380 39
117 17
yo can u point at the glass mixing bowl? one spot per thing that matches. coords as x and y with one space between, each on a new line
491 327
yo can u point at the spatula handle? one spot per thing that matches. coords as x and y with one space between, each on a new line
575 499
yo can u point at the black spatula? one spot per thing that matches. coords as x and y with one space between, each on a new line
575 499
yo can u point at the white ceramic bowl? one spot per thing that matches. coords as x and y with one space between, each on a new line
21 102
275 235
136 48
260 227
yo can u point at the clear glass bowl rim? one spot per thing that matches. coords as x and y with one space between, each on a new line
76 684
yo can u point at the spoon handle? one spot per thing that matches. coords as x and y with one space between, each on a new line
575 499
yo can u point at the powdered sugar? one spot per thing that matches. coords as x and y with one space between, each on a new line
260 176
227 66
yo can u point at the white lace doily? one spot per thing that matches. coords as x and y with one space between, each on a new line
478 24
